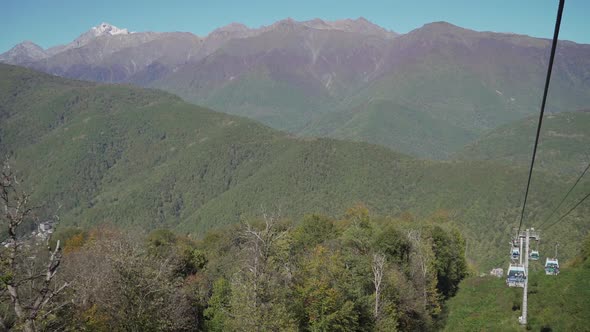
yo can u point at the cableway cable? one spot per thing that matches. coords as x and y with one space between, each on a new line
568 212
547 80
566 196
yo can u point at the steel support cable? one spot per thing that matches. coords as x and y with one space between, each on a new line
547 80
569 211
565 197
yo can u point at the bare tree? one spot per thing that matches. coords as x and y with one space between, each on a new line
421 258
378 269
260 244
125 287
255 304
30 290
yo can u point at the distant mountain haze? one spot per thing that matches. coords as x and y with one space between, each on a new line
427 93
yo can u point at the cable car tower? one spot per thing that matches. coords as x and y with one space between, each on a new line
518 272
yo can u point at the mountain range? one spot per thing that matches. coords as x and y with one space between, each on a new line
427 93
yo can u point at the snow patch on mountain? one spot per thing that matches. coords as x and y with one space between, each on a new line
108 29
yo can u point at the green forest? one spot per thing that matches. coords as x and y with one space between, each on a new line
356 273
140 158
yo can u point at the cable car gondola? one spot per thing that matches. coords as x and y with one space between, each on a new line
515 253
516 275
552 266
534 255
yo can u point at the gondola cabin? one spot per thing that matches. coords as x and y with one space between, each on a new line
516 275
551 266
534 255
515 253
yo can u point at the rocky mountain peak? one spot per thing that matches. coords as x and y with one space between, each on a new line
101 30
29 44
230 31
287 23
361 25
233 27
442 26
24 52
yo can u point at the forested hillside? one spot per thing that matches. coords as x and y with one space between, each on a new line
143 158
564 147
356 273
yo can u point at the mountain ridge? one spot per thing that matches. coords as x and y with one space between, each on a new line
317 77
106 29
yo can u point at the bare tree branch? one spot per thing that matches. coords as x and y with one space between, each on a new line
378 269
21 285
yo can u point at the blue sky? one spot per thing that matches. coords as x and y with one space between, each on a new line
49 23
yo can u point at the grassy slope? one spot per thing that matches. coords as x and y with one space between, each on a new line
561 303
141 157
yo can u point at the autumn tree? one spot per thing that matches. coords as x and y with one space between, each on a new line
378 268
313 230
423 271
120 284
323 293
257 302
